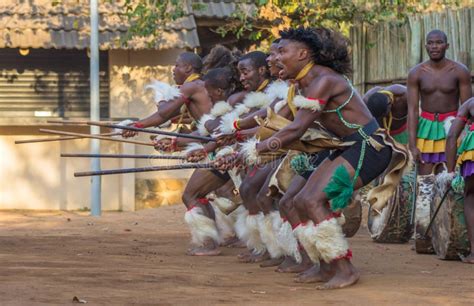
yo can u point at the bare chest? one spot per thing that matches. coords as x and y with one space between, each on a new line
442 83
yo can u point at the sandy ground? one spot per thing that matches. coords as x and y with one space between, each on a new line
138 259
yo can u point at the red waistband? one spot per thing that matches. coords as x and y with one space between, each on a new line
437 116
471 127
399 130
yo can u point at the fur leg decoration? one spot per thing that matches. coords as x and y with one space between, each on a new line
202 228
269 226
288 243
224 223
329 240
254 242
240 225
300 233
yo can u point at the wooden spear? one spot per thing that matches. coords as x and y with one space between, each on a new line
159 132
145 169
61 138
96 137
139 156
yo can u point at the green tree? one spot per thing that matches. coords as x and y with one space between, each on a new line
262 19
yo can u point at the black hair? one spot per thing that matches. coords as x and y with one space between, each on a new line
192 59
219 57
276 41
222 78
439 32
258 59
378 104
328 48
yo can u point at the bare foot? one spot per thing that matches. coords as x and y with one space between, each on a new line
255 258
469 259
289 265
346 275
229 241
244 255
203 251
272 262
315 274
237 244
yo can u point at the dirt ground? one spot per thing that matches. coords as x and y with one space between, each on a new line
137 258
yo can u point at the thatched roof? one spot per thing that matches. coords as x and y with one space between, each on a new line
43 24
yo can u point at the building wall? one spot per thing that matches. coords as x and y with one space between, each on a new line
34 176
130 72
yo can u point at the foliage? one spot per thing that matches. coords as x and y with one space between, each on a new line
148 18
271 16
264 18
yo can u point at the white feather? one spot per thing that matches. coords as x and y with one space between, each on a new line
163 91
249 151
226 126
202 228
277 90
225 151
193 146
303 102
241 109
201 126
221 108
256 100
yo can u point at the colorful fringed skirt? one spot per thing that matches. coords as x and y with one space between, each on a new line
401 134
466 153
431 136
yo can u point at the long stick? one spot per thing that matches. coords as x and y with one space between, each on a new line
139 156
159 132
415 194
437 210
96 137
60 138
144 169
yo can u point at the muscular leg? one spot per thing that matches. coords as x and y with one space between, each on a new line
330 242
469 216
199 185
288 210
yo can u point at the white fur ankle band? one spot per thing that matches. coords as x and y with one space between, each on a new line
202 228
329 240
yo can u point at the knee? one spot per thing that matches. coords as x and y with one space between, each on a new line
285 204
262 196
189 196
306 201
186 198
246 190
300 201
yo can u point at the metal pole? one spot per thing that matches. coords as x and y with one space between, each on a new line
95 108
